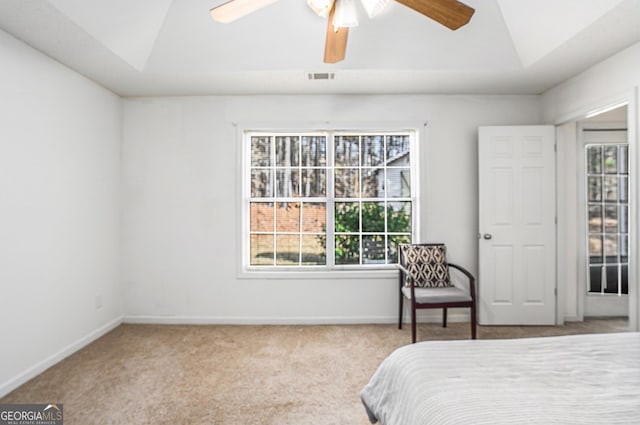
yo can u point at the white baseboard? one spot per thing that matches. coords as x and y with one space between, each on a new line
258 320
572 319
33 371
255 320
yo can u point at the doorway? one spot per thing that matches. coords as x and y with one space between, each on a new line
603 203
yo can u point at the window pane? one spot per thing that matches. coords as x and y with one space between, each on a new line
611 219
594 159
288 183
398 182
261 186
261 250
624 248
314 151
398 149
347 249
623 159
372 182
611 247
260 151
372 150
314 183
373 249
611 188
399 217
288 217
595 279
261 216
595 219
346 183
393 242
611 159
373 217
624 189
611 286
347 151
624 219
595 189
314 217
288 250
313 251
595 249
347 217
287 151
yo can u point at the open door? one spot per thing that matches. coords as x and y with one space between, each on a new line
517 225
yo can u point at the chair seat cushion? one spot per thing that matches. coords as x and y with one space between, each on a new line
449 294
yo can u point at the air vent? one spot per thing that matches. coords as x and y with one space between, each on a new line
322 75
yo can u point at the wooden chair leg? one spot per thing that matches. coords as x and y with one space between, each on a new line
400 311
413 323
473 321
444 317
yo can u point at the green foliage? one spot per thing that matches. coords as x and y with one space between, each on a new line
347 220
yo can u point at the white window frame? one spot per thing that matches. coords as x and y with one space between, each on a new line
368 271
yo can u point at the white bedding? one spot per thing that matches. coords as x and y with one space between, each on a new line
579 379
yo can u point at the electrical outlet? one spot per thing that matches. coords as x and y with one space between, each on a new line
98 302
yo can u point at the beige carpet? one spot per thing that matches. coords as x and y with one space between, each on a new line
237 375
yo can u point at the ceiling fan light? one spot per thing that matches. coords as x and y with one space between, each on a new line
320 7
346 14
375 7
235 9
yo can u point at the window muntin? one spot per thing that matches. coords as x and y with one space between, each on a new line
346 194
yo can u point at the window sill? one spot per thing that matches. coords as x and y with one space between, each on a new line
336 274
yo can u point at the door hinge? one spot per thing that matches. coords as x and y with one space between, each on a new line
555 291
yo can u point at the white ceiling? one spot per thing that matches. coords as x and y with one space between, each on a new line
173 47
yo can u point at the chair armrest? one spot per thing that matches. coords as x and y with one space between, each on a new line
472 280
403 269
405 272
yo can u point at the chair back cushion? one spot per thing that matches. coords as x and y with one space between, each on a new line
426 263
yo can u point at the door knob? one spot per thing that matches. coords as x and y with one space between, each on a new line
487 236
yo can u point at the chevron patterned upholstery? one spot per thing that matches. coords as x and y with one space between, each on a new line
427 265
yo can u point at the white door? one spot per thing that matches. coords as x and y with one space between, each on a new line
517 225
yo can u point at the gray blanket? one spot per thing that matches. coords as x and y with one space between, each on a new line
580 379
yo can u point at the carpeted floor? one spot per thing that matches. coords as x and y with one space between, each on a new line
238 375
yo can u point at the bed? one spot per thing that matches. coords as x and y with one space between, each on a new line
578 379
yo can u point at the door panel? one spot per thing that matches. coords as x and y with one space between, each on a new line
517 225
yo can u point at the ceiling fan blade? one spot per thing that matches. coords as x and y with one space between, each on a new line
450 13
235 9
335 45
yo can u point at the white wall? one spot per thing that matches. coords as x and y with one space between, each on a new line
608 82
182 202
60 157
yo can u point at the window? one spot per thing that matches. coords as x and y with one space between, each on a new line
608 217
328 199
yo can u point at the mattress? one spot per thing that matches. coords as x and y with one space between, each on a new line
578 379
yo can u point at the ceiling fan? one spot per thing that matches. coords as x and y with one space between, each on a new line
341 16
